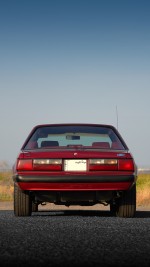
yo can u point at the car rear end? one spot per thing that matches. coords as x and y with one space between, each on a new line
75 164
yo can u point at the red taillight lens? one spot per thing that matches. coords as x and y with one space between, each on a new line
111 165
39 165
126 165
24 165
47 164
103 165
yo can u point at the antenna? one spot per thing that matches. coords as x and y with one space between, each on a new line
117 116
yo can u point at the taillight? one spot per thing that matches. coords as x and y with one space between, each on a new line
24 165
39 164
126 165
111 165
103 164
47 164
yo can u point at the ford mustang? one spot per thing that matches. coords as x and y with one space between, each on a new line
75 164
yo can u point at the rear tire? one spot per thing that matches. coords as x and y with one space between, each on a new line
126 206
22 202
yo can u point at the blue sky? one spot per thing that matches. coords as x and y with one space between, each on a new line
75 61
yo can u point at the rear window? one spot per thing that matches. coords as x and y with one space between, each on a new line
71 136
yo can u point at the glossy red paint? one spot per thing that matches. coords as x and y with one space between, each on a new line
74 186
73 164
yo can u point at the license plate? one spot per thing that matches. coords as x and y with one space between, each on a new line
75 165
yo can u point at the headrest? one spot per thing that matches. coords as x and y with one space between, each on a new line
101 144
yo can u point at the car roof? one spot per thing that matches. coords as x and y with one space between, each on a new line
74 124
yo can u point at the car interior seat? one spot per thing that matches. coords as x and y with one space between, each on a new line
101 144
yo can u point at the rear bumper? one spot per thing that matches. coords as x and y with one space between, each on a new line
74 182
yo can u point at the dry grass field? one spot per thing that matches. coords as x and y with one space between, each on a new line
143 188
6 186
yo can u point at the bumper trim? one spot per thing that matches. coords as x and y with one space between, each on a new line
73 179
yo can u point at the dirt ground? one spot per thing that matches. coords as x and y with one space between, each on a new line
8 205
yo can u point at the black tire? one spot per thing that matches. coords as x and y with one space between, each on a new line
126 206
34 207
22 202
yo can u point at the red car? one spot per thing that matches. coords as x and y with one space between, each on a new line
75 164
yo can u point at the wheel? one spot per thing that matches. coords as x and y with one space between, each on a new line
22 202
34 207
126 206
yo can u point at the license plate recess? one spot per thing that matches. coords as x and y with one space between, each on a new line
75 165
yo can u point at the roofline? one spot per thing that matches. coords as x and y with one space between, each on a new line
76 123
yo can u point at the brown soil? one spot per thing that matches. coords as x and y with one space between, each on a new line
8 205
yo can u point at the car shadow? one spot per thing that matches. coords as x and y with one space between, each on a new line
142 214
86 213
